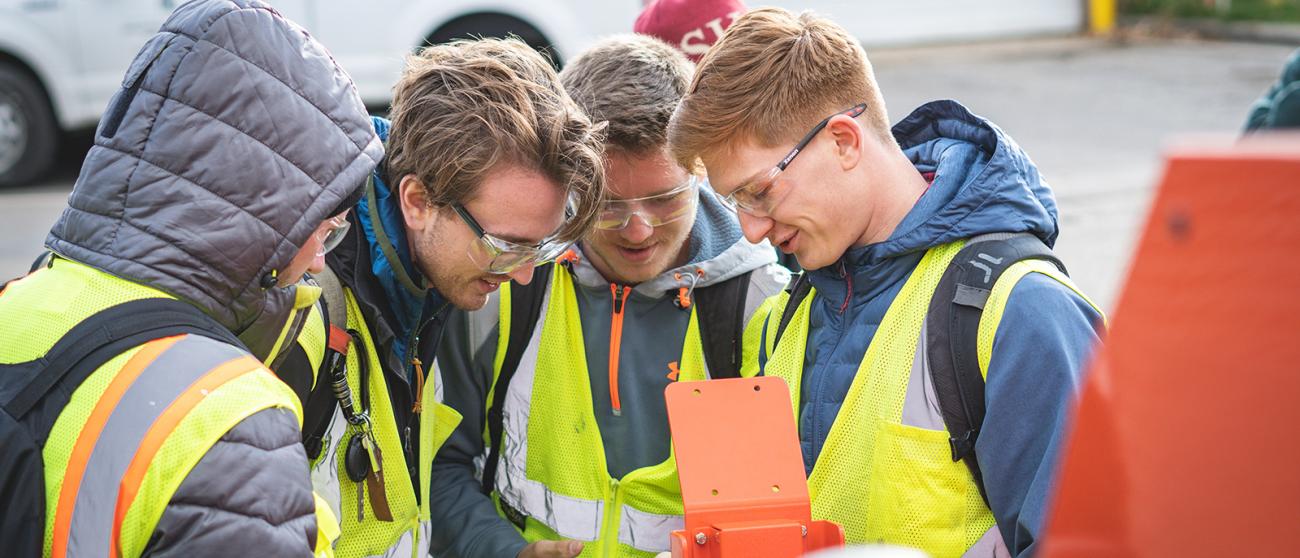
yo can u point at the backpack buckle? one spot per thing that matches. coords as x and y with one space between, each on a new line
963 445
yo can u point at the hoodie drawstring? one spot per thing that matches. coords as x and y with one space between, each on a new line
685 294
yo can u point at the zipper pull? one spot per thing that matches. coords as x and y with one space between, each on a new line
418 407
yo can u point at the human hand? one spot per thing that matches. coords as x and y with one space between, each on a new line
551 549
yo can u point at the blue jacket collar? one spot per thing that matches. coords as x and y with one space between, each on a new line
982 183
404 286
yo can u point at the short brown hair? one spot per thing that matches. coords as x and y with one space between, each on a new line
771 78
634 82
463 107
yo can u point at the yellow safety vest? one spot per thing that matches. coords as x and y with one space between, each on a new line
552 462
883 479
363 532
133 430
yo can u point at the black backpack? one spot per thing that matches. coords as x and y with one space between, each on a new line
34 393
952 335
720 309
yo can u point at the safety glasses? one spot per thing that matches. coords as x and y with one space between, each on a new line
338 228
758 197
498 256
656 210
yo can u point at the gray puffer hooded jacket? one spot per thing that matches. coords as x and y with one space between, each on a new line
234 136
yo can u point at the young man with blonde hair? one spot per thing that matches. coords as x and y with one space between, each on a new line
566 430
786 115
491 169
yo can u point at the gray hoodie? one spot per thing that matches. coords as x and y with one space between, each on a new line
465 521
235 134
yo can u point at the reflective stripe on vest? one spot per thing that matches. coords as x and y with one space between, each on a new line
362 534
885 472
633 515
157 387
648 531
885 480
572 518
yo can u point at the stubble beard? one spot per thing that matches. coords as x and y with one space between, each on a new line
438 268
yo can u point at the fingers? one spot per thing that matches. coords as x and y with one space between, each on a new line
551 549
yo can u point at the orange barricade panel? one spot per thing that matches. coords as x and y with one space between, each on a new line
741 471
1184 443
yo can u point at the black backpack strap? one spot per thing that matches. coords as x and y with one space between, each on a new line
96 340
44 260
798 289
952 330
525 310
318 409
720 310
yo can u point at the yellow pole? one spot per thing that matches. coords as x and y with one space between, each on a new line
1101 16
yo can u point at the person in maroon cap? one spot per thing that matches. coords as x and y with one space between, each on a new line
690 25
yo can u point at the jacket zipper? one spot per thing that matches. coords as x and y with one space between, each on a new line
416 369
848 286
620 294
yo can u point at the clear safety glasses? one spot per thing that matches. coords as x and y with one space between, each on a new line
333 236
655 210
498 256
758 197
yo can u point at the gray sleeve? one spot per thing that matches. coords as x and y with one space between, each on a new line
465 521
765 282
250 495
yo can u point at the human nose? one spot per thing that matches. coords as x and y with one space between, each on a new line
754 227
637 229
523 275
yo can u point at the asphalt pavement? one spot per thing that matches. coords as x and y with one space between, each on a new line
1094 115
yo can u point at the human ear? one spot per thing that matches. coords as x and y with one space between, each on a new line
848 136
416 209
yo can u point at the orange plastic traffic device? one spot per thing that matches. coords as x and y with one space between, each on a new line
743 485
1185 440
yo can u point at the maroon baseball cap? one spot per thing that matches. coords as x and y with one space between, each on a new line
690 25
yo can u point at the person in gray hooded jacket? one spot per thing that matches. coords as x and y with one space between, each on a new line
213 179
620 321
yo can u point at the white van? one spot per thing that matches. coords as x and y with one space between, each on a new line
61 61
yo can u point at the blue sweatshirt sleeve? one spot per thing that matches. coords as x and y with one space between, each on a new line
1042 346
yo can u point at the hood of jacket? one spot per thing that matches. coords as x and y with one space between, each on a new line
235 134
717 252
982 183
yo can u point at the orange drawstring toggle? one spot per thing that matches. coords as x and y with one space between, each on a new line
683 298
684 294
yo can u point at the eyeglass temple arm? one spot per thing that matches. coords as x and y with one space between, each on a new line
469 219
853 112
